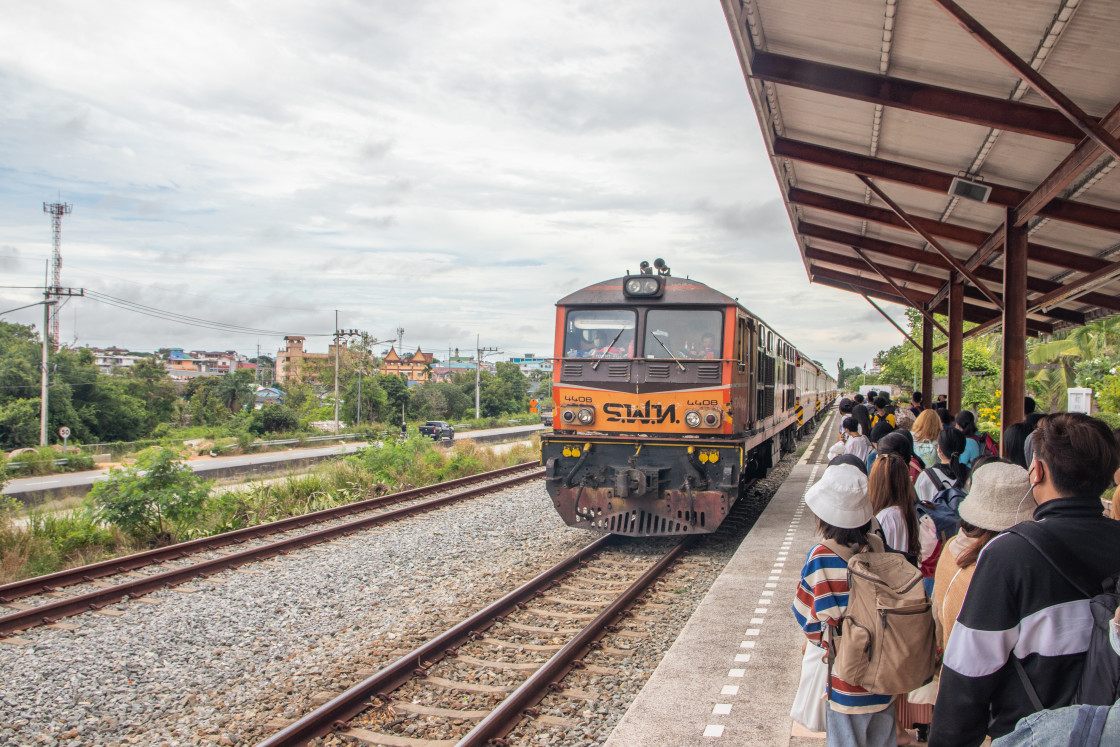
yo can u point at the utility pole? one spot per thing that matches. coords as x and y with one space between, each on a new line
478 373
44 374
44 365
338 335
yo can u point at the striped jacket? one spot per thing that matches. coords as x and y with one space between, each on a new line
822 598
1019 606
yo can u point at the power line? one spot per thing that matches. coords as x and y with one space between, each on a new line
186 319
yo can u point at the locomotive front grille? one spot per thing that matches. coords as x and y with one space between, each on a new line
708 372
657 371
618 370
571 370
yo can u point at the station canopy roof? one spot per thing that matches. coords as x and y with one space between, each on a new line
871 109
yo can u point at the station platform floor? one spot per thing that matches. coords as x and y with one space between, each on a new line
731 675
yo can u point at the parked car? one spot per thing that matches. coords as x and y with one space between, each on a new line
438 430
546 416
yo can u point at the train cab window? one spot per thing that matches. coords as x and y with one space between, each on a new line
594 333
684 333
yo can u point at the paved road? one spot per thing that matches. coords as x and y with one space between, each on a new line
207 465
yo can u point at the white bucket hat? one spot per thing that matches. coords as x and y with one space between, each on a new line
840 497
996 494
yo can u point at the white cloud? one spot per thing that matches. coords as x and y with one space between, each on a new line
450 167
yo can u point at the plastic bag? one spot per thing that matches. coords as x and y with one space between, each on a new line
927 693
809 705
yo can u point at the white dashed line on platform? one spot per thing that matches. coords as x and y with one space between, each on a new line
742 658
713 730
729 690
737 673
721 709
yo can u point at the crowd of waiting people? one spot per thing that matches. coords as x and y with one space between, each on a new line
1009 550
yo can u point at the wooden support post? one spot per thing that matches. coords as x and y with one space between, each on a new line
1014 322
927 362
956 341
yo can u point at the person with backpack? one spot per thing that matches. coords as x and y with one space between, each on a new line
1083 725
991 507
1022 640
916 403
844 522
978 444
883 412
948 472
926 429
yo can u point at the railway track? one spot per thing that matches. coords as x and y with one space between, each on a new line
475 682
35 600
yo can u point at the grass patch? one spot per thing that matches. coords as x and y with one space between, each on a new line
47 541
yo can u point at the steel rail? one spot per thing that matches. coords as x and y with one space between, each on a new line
355 700
509 712
113 566
95 600
352 702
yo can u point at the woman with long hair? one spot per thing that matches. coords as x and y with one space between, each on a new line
925 430
1015 441
948 471
893 500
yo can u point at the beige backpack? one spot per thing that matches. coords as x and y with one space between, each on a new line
886 642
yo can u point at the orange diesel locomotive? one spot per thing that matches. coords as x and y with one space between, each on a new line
670 397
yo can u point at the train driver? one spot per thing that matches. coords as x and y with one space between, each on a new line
707 347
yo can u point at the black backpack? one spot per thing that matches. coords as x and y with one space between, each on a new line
944 509
1100 678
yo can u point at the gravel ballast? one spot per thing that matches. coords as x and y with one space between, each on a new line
232 659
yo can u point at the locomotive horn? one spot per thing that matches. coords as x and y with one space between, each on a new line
662 268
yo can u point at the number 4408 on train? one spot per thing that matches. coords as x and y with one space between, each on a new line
670 398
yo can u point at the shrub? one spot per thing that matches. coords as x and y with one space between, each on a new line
154 500
274 418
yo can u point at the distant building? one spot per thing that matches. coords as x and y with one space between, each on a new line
415 367
530 362
111 360
291 358
268 396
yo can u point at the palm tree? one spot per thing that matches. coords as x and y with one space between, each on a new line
235 390
1055 360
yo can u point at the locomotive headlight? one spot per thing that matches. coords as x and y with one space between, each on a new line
586 415
642 285
711 419
568 416
692 419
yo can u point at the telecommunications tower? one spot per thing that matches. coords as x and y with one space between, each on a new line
56 210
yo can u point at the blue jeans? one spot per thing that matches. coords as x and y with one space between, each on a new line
1056 727
862 729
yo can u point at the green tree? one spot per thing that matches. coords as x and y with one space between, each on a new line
151 384
206 406
154 500
235 390
396 394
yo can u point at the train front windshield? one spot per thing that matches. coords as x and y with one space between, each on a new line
684 333
595 333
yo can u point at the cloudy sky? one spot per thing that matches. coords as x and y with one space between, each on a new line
449 168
